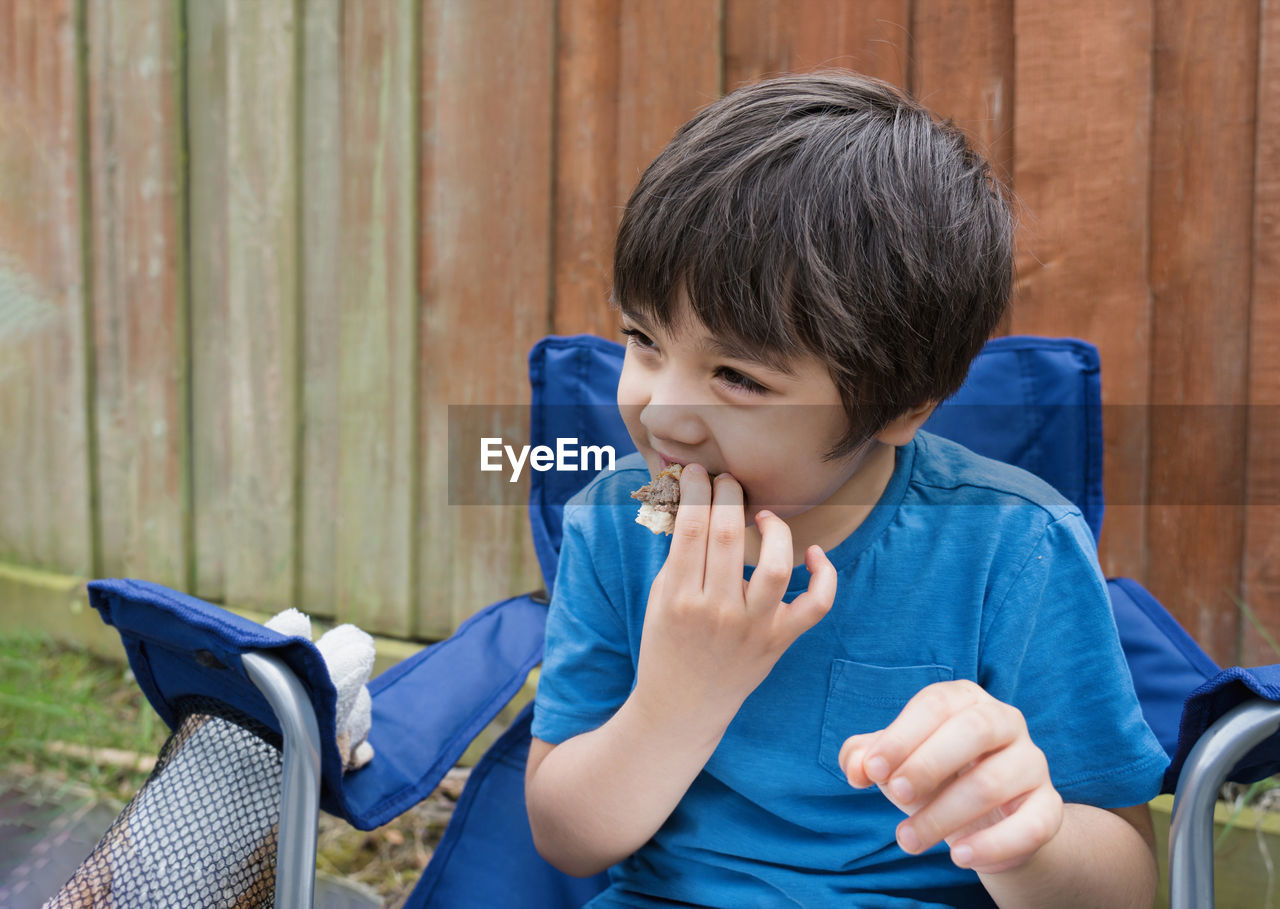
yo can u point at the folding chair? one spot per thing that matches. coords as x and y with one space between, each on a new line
1033 402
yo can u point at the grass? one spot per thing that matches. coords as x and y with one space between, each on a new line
75 729
68 715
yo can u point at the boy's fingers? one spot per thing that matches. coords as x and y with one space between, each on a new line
688 555
1010 842
976 797
959 740
924 714
851 756
772 574
815 602
726 539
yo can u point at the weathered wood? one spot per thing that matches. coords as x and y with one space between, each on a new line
376 446
262 300
134 154
245 446
770 37
45 515
1261 566
484 269
320 461
587 203
8 37
1082 174
321 276
211 365
629 74
962 68
1201 231
669 68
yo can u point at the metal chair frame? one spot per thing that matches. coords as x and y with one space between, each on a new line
300 786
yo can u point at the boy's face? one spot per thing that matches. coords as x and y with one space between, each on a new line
686 398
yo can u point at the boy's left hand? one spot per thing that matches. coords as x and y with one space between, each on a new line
963 767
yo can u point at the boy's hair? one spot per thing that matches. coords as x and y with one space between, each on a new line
828 214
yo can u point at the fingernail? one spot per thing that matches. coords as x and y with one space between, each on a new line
902 791
962 856
854 760
878 769
908 840
763 513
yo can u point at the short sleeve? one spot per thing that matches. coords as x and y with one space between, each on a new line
587 670
1051 649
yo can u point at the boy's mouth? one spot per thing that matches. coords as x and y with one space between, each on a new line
665 461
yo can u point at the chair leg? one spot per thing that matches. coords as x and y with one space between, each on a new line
1226 743
300 794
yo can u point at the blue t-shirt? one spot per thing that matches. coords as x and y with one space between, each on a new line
966 569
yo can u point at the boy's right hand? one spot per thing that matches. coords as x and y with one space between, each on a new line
710 637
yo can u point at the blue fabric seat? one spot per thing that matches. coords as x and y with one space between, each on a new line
1033 402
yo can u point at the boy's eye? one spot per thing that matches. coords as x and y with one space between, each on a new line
732 377
637 338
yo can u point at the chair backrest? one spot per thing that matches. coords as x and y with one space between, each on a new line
1031 402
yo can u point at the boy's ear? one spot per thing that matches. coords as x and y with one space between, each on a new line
902 429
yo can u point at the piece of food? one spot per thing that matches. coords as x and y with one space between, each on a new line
660 498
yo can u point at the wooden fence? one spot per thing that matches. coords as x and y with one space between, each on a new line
251 250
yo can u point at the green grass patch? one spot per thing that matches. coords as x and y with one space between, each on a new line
72 727
67 714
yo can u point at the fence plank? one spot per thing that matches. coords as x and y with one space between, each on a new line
771 37
587 202
1261 568
378 319
484 270
242 99
8 45
45 515
628 74
140 362
1201 232
962 68
322 295
1082 265
210 366
262 301
669 68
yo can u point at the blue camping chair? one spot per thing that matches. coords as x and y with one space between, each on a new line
1030 401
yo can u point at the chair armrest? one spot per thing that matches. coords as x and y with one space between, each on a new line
1206 768
427 709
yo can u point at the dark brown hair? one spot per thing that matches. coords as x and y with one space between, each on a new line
828 214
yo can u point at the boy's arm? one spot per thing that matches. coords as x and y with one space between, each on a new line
598 797
1098 858
962 766
709 638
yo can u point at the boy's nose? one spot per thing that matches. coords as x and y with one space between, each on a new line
679 424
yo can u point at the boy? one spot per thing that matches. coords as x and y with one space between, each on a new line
868 668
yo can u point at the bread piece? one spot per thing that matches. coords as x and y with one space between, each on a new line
660 499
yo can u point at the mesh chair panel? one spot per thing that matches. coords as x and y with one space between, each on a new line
201 832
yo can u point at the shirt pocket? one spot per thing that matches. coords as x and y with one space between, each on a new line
866 698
